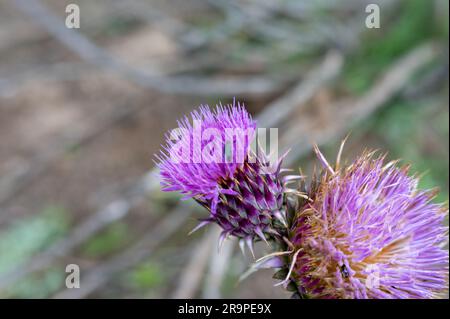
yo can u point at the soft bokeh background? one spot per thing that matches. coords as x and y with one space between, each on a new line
82 111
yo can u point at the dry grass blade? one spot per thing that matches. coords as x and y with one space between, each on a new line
218 267
192 274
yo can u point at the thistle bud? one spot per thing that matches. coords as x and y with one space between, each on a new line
242 191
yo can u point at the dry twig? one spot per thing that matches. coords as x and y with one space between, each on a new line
96 56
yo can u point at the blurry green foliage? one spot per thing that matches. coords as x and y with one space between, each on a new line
405 127
412 26
418 134
25 237
41 285
205 23
110 240
119 25
147 275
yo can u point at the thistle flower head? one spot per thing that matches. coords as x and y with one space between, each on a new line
195 157
369 232
212 162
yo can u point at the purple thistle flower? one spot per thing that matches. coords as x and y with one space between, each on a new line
369 232
241 193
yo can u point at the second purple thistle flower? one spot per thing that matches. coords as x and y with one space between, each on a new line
212 160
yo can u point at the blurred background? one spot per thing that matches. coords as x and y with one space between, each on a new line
82 111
